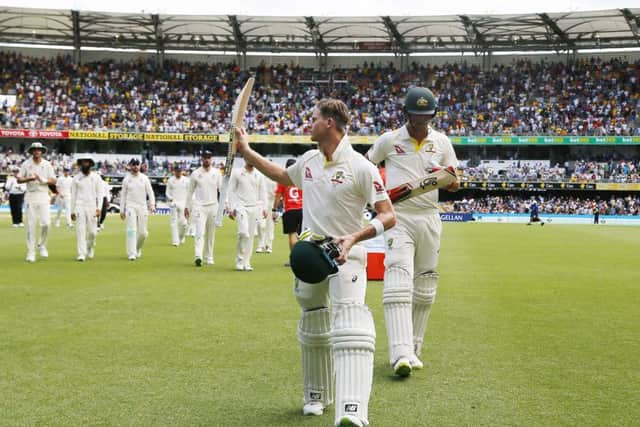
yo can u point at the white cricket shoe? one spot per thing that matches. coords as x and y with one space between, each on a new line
260 250
210 261
43 251
248 268
313 408
268 250
80 258
132 258
350 421
15 225
139 253
31 258
90 253
415 362
239 267
21 225
402 367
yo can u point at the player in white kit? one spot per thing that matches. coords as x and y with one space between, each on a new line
413 246
246 196
38 174
63 202
136 201
86 203
204 185
336 327
267 225
176 192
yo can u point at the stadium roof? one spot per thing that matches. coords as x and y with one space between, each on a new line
615 28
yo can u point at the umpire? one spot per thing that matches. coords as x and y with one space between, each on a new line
16 197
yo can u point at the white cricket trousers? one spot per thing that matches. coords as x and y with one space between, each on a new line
37 212
86 229
136 224
265 232
63 203
204 218
247 218
178 224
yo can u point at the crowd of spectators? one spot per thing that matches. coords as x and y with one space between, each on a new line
581 171
627 205
587 97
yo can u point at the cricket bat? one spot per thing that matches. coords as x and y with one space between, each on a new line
237 117
438 178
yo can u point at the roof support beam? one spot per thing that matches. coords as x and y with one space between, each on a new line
633 22
393 30
316 35
550 23
472 31
238 36
159 39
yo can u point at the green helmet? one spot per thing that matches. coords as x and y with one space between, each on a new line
420 100
312 261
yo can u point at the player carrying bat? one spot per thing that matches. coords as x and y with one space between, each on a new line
412 247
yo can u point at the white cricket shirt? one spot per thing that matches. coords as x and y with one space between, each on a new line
86 191
135 191
204 186
336 192
246 189
406 160
37 191
63 184
177 189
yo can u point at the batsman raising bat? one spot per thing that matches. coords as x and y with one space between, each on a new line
418 160
237 117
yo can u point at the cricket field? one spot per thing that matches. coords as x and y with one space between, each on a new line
533 326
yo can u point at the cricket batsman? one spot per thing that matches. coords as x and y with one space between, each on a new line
336 327
137 200
176 192
86 203
413 246
38 174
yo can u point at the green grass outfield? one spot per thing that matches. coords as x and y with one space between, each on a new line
532 326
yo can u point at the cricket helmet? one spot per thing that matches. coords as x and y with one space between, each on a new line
312 261
420 100
206 153
37 146
134 161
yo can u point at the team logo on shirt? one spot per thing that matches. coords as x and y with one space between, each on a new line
338 177
399 149
379 187
307 173
351 407
429 148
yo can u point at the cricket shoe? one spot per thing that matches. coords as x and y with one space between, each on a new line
175 245
313 408
198 262
21 225
248 268
139 253
80 258
132 258
402 367
31 258
43 251
350 421
90 253
15 225
268 250
260 250
210 261
415 362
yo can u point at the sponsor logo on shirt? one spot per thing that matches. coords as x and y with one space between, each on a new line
399 149
338 177
351 407
307 173
379 187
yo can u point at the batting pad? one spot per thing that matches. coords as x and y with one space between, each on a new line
396 300
353 340
424 295
314 331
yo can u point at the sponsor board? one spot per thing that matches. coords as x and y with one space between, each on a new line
558 219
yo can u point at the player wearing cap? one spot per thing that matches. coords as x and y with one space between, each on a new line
137 200
38 174
336 327
176 192
412 247
246 199
85 204
204 185
63 198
